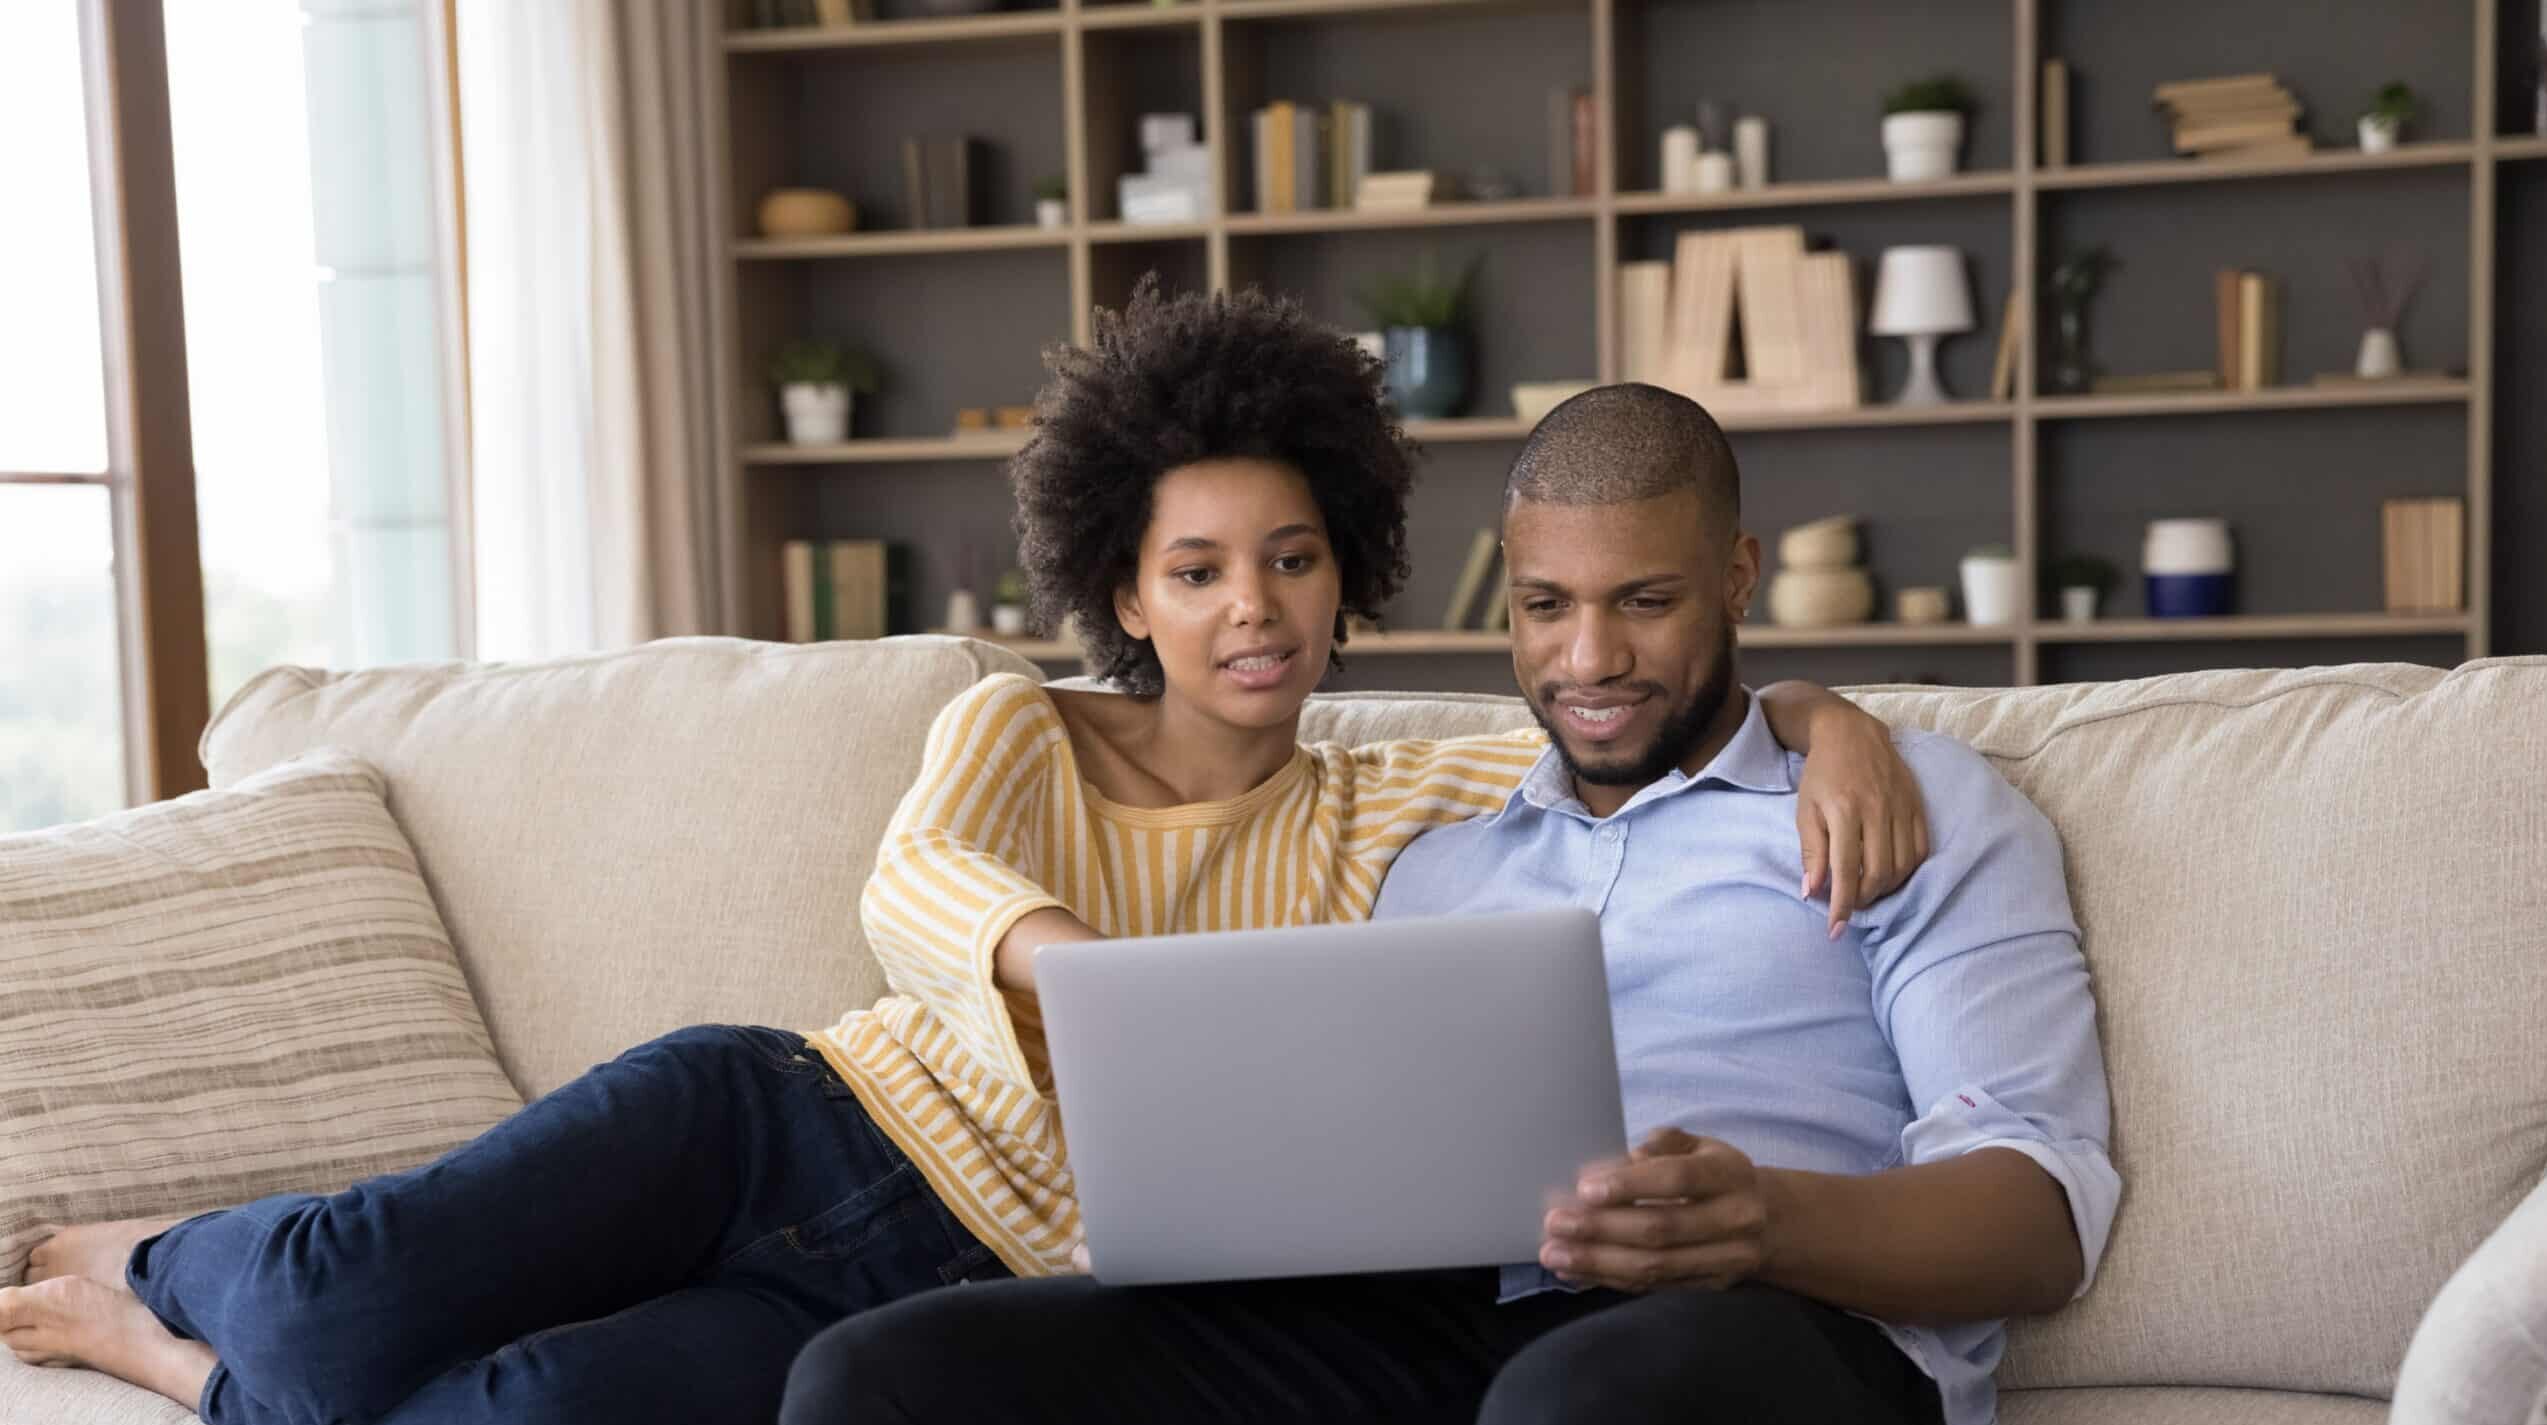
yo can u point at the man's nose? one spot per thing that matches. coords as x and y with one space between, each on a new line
1594 650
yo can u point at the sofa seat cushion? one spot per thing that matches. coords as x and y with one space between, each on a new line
231 994
2162 1405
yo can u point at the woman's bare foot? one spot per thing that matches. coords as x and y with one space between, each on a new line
97 1251
72 1321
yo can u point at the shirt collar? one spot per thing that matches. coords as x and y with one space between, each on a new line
1751 761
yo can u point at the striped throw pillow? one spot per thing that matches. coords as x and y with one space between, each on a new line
227 995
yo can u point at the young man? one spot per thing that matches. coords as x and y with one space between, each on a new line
1855 1152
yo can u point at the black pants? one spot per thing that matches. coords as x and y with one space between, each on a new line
1409 1347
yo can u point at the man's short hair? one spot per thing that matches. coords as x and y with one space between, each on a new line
1613 444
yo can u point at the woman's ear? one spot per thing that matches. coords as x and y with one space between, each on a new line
1127 612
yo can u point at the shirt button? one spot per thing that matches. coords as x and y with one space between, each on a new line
1609 833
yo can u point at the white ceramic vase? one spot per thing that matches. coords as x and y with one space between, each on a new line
1008 620
2378 135
1051 213
2078 603
1922 145
1992 588
963 612
2379 357
816 414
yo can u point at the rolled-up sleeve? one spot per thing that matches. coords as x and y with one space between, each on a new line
1983 993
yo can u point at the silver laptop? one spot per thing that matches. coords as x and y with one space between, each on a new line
1348 1098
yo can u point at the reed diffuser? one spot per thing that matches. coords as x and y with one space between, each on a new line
2384 283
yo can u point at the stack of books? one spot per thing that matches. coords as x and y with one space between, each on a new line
2235 118
1175 181
938 182
1398 192
2423 541
1797 315
1473 582
843 588
1308 157
2248 307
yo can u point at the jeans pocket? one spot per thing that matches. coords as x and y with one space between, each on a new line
897 1202
973 1263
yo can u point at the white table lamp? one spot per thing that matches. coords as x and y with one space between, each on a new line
1922 294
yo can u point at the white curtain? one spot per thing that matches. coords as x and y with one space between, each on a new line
592 449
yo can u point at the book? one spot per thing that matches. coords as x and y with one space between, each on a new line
2224 297
1702 301
1349 135
843 588
1472 579
2003 367
1261 149
2259 332
1587 143
1393 191
1826 294
2423 553
1282 131
2055 101
2178 93
2273 150
915 185
1308 159
2204 138
1772 331
1644 322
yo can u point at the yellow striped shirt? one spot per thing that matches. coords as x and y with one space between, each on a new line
1000 824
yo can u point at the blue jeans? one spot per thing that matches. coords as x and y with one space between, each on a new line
652 1242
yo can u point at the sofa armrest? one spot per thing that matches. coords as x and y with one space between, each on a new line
2481 1353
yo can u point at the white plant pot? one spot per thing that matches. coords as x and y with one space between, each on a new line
2377 135
1922 146
1051 212
1991 589
1008 620
2078 603
2379 357
816 415
1714 173
963 612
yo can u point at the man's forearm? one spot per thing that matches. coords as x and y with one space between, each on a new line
1973 1238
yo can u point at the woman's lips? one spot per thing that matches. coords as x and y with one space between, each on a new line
1260 670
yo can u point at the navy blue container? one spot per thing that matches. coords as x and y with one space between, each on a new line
2187 595
1427 371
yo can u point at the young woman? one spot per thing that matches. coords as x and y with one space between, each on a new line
1213 486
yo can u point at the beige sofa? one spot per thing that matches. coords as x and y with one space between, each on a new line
2315 904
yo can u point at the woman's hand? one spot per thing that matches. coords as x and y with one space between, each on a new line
1858 811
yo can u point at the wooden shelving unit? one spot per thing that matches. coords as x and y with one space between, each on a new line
1098 48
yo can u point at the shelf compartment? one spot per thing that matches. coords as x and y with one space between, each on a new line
2251 626
1441 215
800 39
901 243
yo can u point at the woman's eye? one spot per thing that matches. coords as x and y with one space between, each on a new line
1195 577
1294 563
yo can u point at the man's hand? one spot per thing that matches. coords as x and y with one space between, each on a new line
1858 812
1680 1211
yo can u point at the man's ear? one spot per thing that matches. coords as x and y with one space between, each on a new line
1127 611
1742 575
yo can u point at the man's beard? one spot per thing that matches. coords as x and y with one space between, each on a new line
1683 727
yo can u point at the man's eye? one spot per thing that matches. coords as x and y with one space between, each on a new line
1647 605
1539 606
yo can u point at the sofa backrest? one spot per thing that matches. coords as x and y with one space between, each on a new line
628 842
2314 903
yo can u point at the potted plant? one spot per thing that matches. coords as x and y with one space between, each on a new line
1990 585
1052 202
1008 604
815 381
2082 580
1422 321
1923 128
2391 109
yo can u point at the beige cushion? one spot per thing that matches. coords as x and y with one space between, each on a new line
40 1395
629 842
2313 903
2165 1406
235 993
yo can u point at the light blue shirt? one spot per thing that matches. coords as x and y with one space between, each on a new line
1952 1015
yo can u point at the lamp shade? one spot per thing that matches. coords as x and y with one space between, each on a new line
1921 291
